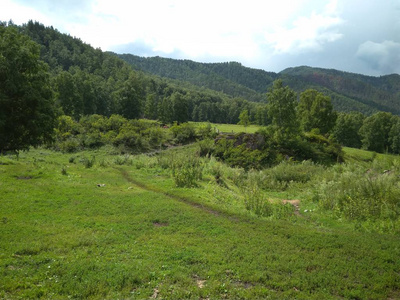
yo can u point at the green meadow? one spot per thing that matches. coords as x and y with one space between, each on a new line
230 128
98 225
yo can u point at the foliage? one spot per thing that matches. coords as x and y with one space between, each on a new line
282 102
348 91
255 201
183 133
95 131
394 136
206 147
27 114
244 118
281 176
315 111
205 131
375 132
360 194
347 128
186 171
244 150
270 146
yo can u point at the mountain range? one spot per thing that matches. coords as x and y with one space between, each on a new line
348 91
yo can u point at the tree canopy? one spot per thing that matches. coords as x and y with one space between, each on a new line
27 114
315 111
282 102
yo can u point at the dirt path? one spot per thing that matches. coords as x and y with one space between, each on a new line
190 202
143 186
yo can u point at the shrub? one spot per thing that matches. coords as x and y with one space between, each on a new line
287 172
206 147
255 201
123 160
244 150
187 171
68 146
130 138
183 133
64 170
205 131
359 195
88 163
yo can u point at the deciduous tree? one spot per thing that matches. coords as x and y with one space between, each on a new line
244 118
27 112
282 102
315 111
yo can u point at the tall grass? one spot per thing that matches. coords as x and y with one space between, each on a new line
362 194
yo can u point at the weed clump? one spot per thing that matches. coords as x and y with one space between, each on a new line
186 171
64 170
361 195
88 163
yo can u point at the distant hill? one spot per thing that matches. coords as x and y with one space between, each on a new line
230 78
349 91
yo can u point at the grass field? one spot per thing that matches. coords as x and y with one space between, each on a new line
90 225
232 128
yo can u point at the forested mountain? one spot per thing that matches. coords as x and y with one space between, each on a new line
349 91
230 78
89 81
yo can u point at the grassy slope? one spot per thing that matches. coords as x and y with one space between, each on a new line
61 235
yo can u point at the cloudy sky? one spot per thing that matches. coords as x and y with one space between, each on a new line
361 36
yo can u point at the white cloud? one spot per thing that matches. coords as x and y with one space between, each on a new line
20 14
307 33
383 56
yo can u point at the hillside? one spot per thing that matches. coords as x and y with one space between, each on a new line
349 91
88 81
230 78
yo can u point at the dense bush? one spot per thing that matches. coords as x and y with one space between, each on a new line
183 133
359 194
287 172
95 131
268 148
186 171
205 131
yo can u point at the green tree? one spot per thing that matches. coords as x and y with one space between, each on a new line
394 135
347 128
282 102
262 115
68 95
180 108
315 110
375 132
150 107
27 114
129 98
166 111
244 118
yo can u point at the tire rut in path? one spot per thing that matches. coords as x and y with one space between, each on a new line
187 201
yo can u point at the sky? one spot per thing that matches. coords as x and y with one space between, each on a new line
359 36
